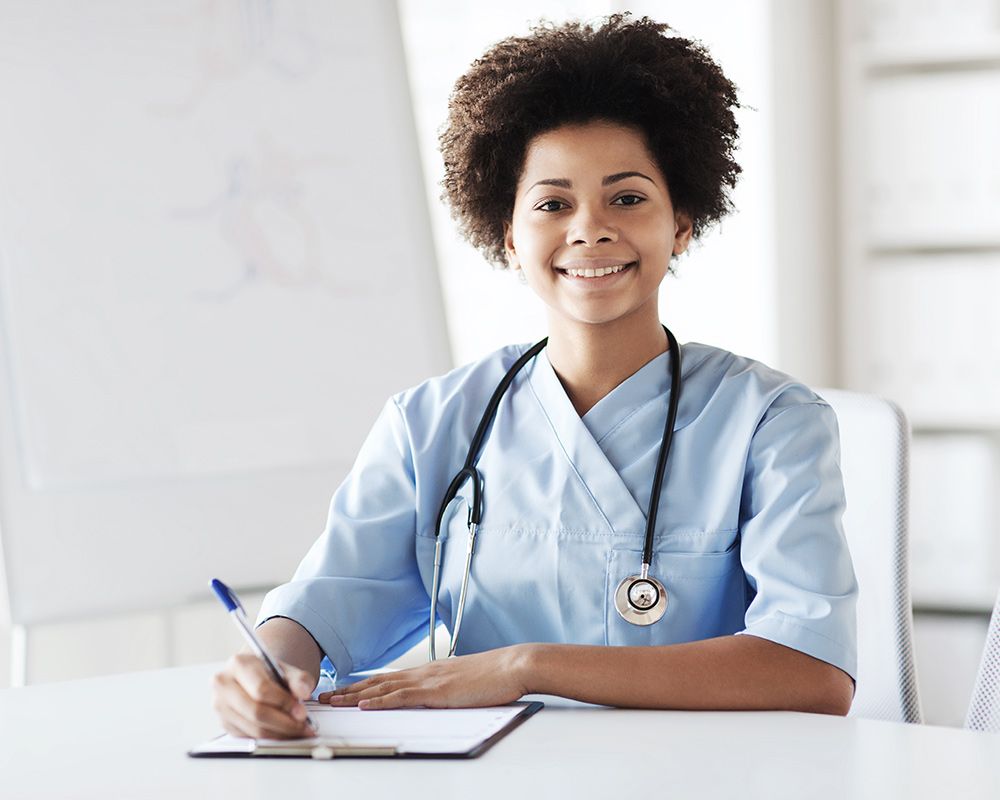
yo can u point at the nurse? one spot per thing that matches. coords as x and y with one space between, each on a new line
586 159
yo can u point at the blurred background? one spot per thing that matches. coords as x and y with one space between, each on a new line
222 248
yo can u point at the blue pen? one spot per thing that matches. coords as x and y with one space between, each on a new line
239 617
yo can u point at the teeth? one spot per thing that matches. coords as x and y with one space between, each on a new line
595 273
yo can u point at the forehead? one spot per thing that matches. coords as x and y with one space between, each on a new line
599 148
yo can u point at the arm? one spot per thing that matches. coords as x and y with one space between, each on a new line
291 644
730 672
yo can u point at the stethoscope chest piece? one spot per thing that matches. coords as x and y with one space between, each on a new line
641 600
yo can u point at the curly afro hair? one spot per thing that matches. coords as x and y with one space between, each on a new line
625 71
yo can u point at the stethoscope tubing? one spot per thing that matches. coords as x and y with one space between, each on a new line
470 472
665 442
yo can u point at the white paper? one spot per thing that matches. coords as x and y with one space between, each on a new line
408 730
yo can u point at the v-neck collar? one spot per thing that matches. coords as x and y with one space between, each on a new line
649 382
597 474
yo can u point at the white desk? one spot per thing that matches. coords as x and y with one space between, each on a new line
126 737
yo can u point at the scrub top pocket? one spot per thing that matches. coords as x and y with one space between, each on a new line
706 596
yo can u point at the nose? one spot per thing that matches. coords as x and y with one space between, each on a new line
590 227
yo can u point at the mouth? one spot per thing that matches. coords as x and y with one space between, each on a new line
596 275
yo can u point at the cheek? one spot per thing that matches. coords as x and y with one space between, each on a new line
537 239
665 230
655 240
657 249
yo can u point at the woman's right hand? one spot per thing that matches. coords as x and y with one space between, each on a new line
251 704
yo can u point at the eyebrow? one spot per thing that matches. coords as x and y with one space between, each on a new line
607 180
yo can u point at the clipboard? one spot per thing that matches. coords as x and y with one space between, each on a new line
394 733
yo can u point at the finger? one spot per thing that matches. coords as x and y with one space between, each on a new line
339 692
356 688
374 690
223 686
300 681
343 691
267 722
392 675
256 680
236 724
257 719
233 729
401 698
230 720
349 699
248 727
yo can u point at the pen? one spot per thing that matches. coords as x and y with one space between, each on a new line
239 617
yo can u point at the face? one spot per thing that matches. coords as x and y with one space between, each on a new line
593 228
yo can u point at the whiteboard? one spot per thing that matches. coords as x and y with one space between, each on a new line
215 266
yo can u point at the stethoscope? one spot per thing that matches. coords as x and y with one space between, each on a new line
640 599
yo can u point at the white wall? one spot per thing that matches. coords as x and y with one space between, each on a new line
803 115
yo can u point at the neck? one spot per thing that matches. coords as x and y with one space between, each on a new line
591 360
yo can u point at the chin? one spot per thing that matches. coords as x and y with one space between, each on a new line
595 318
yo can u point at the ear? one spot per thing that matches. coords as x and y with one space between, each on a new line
682 232
508 245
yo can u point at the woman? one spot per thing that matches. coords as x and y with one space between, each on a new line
586 159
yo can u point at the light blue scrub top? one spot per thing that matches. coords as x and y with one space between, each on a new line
749 537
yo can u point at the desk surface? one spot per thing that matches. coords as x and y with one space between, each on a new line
126 737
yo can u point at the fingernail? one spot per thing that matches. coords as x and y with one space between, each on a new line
364 703
299 713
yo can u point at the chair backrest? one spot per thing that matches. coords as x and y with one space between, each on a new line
984 710
874 444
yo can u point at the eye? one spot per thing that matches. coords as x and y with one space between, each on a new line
629 200
550 206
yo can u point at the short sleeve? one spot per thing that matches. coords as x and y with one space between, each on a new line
793 549
358 590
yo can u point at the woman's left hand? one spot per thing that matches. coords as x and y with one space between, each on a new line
493 678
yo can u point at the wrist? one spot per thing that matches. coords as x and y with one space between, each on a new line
525 667
288 641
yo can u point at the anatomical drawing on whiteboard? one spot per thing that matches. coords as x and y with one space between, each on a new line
230 39
262 216
209 203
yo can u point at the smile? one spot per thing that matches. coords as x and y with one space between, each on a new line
599 272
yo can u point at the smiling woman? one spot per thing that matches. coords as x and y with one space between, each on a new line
652 525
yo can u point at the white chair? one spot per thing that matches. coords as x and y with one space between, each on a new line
874 441
984 710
